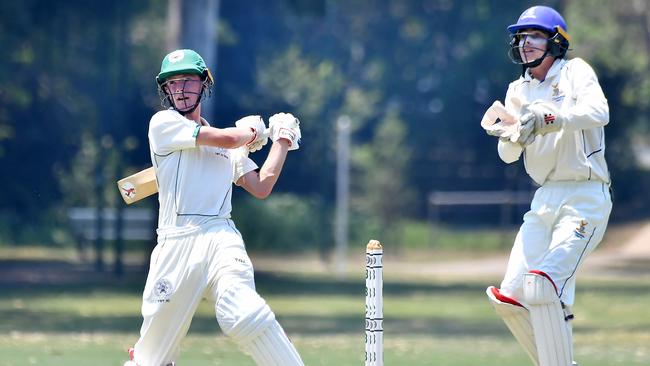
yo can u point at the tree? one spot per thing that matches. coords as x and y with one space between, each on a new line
382 189
615 38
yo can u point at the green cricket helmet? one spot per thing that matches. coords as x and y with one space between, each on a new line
184 62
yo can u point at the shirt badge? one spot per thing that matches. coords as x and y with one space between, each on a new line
557 95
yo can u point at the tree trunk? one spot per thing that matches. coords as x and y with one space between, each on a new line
193 24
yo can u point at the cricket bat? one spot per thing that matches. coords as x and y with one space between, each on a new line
138 186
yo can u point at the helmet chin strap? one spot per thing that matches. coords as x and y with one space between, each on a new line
186 112
536 62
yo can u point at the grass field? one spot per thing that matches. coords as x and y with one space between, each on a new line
429 320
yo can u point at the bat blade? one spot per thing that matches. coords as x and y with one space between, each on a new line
138 186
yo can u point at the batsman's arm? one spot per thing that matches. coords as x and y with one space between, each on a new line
138 186
260 184
229 138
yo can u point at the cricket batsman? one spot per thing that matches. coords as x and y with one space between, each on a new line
560 113
200 253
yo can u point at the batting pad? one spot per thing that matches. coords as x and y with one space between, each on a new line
552 331
517 319
273 348
246 318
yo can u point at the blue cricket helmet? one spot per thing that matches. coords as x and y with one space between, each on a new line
539 17
545 19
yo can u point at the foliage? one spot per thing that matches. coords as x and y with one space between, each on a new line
614 37
69 68
78 76
283 222
381 185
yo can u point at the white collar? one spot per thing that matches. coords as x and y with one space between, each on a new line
552 72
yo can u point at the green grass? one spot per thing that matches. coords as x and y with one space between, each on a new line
423 235
431 322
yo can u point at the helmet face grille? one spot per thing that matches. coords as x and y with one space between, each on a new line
181 99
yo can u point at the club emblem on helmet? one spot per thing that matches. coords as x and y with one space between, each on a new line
528 14
176 56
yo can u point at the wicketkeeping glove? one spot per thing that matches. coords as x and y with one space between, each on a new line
538 118
498 121
257 124
285 126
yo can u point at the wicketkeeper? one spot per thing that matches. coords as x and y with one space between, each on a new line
554 116
200 254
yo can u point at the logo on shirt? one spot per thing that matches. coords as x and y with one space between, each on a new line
556 90
241 260
221 152
580 230
557 95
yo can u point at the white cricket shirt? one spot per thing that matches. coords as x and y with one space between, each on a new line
194 182
577 152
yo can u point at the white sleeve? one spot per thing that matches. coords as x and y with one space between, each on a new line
590 109
241 163
169 131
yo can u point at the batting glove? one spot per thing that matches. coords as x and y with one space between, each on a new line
256 123
285 126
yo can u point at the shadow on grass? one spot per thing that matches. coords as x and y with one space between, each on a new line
289 285
54 276
51 322
36 280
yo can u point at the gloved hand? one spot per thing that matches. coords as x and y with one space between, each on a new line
259 142
256 123
498 121
538 118
285 126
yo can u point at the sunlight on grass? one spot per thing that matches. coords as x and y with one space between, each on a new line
428 321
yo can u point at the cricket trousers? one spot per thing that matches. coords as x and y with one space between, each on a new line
566 221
